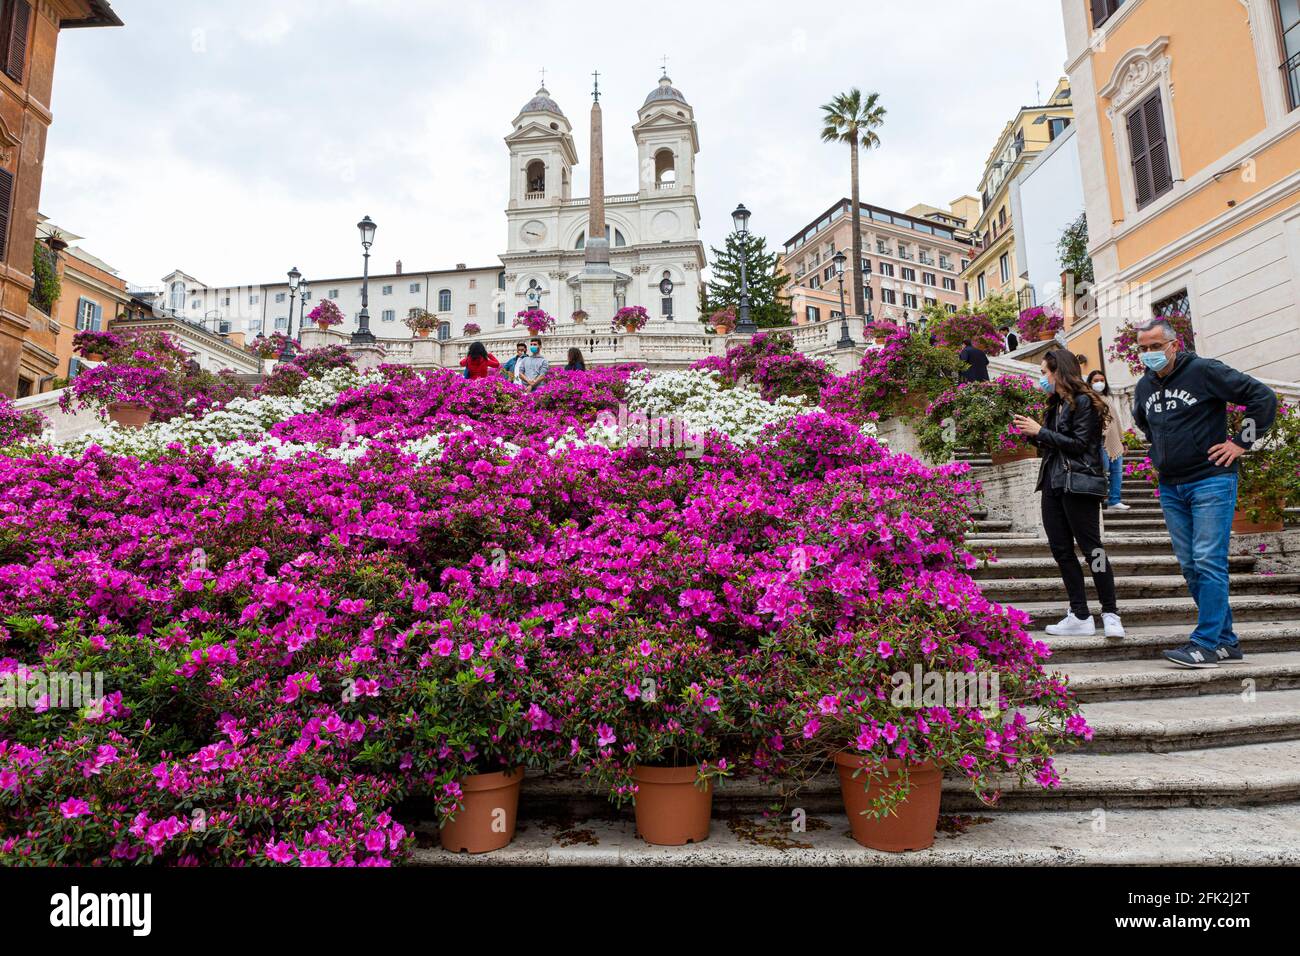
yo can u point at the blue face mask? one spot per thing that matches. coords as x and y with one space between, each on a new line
1155 361
1045 385
534 349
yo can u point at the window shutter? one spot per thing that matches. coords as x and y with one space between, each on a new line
1137 138
1162 177
97 318
16 57
74 366
6 206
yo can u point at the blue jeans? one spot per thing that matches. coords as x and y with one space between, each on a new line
1114 467
1199 517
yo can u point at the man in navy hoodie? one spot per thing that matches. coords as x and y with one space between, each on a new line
1181 405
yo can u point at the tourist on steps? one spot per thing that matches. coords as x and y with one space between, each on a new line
479 361
532 368
977 363
1072 484
1112 448
576 362
1181 405
509 368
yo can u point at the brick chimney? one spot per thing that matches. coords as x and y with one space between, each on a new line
399 267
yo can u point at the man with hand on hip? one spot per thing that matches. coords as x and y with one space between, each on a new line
1181 405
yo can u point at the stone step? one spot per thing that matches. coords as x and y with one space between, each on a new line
1173 611
1212 776
1127 565
993 525
1189 723
1124 523
1128 587
1145 679
1220 836
1149 641
1015 545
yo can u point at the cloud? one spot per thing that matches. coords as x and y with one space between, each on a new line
250 136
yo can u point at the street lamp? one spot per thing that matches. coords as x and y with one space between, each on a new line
295 277
846 340
303 290
666 291
362 334
741 220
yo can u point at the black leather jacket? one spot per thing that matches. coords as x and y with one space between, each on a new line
1071 435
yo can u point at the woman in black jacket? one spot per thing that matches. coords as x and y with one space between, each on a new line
1073 484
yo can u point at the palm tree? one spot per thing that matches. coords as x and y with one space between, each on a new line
852 118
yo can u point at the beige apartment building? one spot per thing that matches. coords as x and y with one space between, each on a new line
993 269
909 260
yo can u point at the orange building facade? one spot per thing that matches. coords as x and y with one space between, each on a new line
1189 147
29 32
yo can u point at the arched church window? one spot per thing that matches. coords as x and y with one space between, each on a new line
536 176
444 300
619 239
665 167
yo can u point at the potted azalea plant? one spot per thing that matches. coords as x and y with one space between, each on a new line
579 317
421 322
650 722
951 330
919 688
899 378
472 328
723 321
1124 349
536 321
93 346
630 318
1269 474
1040 324
977 415
326 315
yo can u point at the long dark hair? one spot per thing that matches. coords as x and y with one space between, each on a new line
1070 385
477 351
575 360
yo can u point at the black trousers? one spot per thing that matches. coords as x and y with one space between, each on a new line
1076 519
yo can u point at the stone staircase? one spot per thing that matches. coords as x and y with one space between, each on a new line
1164 736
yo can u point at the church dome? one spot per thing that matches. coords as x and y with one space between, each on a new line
664 91
542 103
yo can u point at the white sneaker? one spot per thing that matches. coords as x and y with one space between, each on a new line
1071 626
1114 627
1118 507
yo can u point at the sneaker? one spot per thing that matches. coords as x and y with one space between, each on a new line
1072 626
1114 627
1192 654
1118 506
1229 655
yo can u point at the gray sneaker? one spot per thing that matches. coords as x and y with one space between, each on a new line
1229 655
1192 654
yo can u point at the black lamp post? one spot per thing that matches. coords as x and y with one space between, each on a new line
295 277
362 334
302 307
741 220
666 290
846 340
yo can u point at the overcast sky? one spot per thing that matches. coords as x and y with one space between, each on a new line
237 138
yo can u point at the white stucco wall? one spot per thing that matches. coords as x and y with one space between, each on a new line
1046 198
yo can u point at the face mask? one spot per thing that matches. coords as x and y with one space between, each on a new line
534 349
1045 385
1099 386
1155 361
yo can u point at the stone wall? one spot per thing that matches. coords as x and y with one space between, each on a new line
1009 495
1277 552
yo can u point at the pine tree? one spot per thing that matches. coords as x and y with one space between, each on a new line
768 305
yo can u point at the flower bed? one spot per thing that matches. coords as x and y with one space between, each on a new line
310 608
898 378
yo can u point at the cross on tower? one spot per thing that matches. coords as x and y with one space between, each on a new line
596 91
543 77
665 64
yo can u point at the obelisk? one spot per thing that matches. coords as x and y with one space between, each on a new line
597 250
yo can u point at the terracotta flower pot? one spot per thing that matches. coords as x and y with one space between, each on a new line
487 820
1045 336
94 357
423 333
1023 453
579 318
1241 523
323 326
670 809
912 824
130 414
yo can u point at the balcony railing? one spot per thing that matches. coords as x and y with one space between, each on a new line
665 187
530 196
1291 70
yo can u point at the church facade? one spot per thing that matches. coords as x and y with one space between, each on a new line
652 234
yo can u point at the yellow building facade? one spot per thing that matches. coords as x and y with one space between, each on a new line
1189 143
993 269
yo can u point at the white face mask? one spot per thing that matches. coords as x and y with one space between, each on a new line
1099 386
